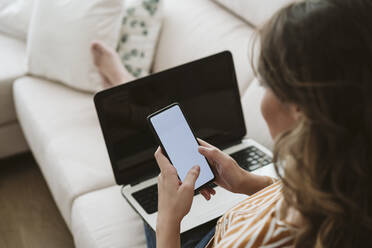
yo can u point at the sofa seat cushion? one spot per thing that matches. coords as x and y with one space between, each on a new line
62 128
12 66
104 219
196 28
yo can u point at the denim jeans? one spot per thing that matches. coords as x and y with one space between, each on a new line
195 238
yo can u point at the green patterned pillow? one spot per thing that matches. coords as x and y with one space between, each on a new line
139 34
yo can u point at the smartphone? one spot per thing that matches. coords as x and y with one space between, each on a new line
178 142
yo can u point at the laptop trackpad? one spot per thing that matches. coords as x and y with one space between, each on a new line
203 211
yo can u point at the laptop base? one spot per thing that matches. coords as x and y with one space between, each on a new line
202 211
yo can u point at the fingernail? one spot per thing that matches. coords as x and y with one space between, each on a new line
196 167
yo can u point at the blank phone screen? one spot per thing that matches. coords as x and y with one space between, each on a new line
180 144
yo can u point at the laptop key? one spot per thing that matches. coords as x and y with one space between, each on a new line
254 167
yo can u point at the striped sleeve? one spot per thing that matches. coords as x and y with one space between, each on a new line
255 222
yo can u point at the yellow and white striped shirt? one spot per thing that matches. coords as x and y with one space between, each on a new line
255 222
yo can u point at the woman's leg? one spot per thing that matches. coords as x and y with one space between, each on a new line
205 240
109 64
150 236
198 237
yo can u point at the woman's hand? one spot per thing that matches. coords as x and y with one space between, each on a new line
229 174
175 198
174 201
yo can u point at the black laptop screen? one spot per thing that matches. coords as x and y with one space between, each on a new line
206 89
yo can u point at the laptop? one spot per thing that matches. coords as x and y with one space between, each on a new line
208 91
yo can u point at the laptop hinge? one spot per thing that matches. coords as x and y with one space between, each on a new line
230 144
143 178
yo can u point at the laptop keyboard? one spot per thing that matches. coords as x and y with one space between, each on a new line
249 159
148 197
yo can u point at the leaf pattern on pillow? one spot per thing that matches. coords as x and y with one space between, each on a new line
139 33
151 6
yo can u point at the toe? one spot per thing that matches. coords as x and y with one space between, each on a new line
95 46
96 51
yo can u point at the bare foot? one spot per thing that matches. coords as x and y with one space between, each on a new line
109 65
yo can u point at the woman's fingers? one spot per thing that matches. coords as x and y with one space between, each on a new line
212 154
204 143
191 177
211 191
205 193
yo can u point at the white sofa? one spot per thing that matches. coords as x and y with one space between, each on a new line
63 133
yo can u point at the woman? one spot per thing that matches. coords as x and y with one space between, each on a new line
316 66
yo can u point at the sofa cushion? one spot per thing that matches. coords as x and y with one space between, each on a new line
139 35
12 64
15 16
104 219
197 28
61 126
256 12
59 38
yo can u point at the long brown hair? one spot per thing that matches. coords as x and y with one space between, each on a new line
317 54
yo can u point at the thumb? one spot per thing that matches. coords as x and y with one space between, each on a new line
191 176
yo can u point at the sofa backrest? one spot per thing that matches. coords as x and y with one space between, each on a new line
197 28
